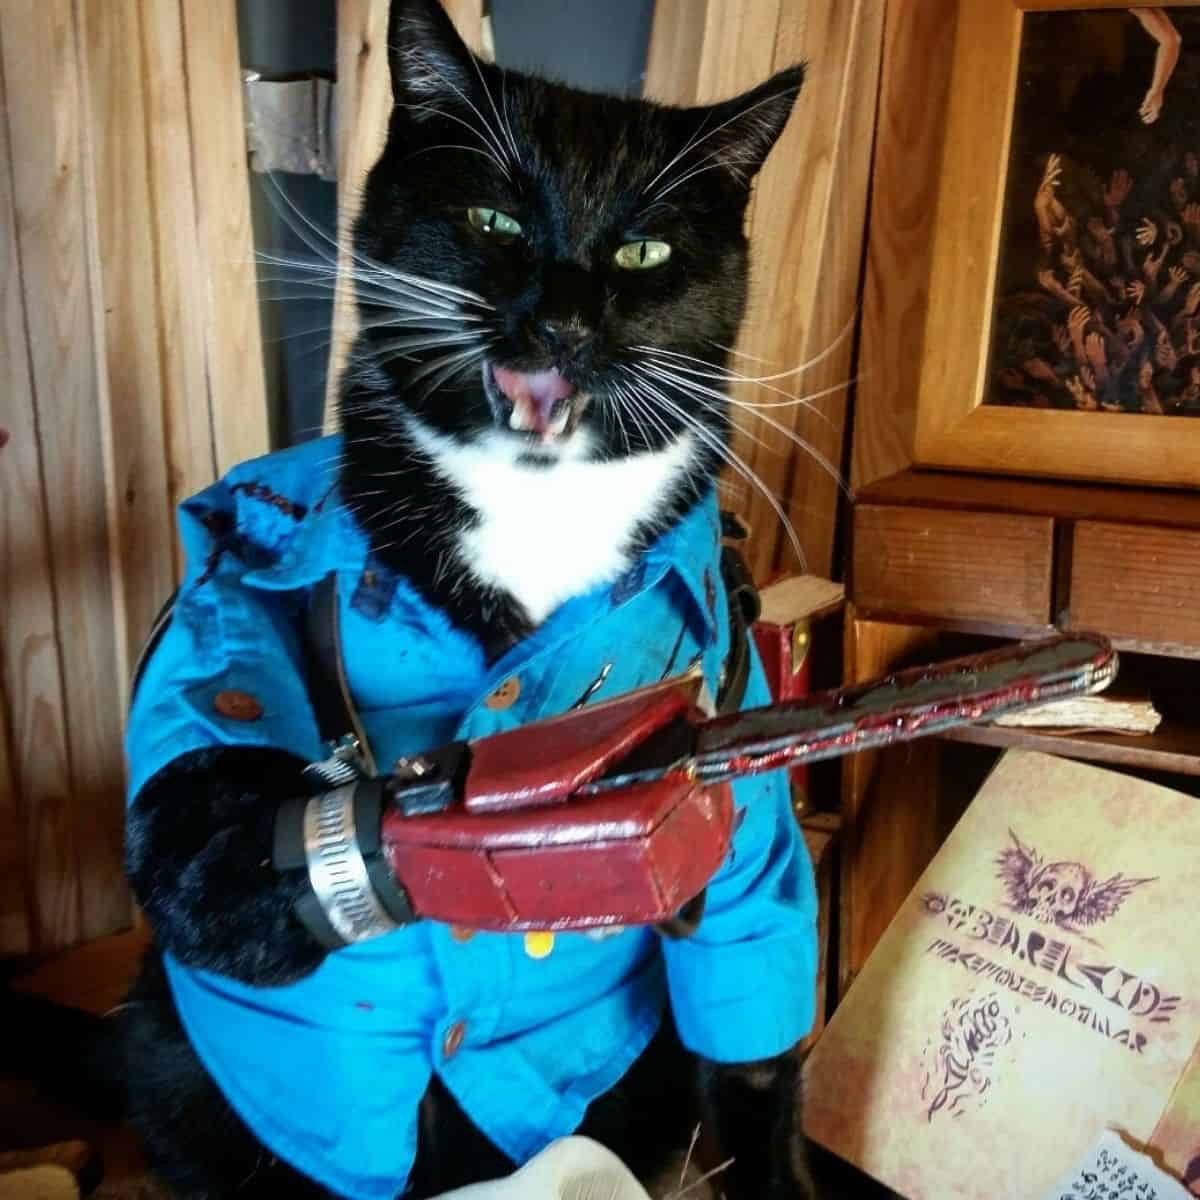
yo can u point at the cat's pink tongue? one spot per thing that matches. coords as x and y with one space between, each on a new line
539 400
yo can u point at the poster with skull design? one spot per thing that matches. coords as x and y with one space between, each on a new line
1036 988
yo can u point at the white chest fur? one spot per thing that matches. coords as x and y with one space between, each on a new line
547 533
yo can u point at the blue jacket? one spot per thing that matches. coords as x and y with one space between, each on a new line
328 1071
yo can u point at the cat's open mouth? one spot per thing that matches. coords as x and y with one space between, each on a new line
542 403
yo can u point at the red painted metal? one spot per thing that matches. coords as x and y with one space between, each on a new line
576 822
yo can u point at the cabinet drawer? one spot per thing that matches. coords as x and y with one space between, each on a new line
1137 583
933 562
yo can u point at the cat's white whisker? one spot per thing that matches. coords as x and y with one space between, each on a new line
800 368
378 274
726 454
695 389
694 144
808 400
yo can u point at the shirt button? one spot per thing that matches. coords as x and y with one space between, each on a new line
461 934
505 696
455 1036
237 706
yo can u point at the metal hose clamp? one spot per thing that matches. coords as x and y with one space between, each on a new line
337 871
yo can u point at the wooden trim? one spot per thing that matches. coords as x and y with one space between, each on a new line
917 61
806 225
953 427
187 416
233 340
1053 498
125 277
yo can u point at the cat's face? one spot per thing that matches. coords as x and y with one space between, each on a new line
549 271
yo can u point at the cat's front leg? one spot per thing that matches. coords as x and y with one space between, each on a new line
198 853
754 1111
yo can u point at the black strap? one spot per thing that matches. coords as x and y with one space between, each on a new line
157 629
744 610
321 622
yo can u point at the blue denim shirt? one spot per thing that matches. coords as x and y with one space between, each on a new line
328 1071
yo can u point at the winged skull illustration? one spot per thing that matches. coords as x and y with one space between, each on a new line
1065 894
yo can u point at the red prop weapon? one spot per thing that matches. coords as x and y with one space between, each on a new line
618 813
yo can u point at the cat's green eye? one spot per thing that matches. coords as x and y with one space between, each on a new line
495 223
641 256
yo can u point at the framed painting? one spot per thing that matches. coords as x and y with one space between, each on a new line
1062 335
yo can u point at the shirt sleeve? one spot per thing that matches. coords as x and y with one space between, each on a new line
743 985
224 636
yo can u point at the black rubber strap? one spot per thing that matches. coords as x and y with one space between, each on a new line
157 629
334 720
744 610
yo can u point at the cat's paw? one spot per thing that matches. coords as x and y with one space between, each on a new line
198 853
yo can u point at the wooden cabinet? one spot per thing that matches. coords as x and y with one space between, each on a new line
942 562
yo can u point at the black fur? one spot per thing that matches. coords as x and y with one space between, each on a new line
588 170
582 180
198 853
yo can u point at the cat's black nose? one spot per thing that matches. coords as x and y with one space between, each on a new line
564 339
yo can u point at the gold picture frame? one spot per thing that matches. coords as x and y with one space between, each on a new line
954 427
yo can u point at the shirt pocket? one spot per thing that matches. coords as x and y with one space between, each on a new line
647 640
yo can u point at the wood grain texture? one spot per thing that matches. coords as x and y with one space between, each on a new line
891 824
917 60
16 916
677 48
820 240
364 106
953 427
1172 747
806 227
233 340
953 565
32 760
1066 501
130 352
82 890
186 412
1138 584
130 392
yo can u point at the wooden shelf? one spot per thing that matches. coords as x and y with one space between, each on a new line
1174 746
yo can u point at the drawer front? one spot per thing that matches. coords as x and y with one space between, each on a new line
1137 583
931 562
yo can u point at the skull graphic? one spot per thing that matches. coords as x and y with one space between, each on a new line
1057 891
1065 894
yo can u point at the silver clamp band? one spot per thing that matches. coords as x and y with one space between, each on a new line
337 871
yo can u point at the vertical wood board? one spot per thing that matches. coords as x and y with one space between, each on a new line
364 97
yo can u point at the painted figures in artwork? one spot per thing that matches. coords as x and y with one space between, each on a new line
1065 894
1158 24
1098 296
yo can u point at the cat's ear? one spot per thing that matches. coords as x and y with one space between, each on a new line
739 133
430 64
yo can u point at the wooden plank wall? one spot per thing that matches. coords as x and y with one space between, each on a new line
129 374
364 106
806 229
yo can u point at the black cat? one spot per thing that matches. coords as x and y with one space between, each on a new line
547 283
